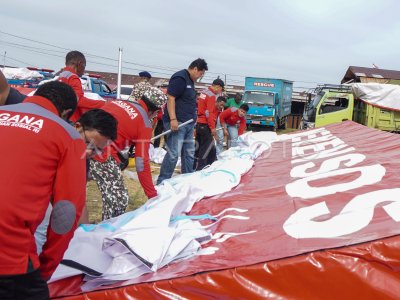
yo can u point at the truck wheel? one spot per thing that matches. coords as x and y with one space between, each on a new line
283 124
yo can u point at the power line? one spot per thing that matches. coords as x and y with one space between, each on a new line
163 68
26 46
20 61
103 57
35 41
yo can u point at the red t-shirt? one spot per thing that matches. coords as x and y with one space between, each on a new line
230 116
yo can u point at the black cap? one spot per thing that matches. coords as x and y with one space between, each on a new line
219 82
145 74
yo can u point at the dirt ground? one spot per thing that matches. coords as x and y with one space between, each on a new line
137 196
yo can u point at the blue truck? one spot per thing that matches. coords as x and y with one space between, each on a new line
269 100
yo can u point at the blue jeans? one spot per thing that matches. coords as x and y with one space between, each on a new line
179 143
232 136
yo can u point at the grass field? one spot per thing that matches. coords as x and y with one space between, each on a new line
93 196
136 194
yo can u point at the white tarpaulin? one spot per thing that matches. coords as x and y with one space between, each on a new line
378 94
21 73
159 232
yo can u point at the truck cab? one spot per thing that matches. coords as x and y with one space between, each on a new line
331 104
269 101
93 83
261 108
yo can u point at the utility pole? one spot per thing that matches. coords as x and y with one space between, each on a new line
119 74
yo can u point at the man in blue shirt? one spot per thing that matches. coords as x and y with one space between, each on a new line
181 107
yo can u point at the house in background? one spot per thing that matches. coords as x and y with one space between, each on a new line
362 74
126 79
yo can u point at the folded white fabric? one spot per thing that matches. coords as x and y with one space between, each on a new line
159 232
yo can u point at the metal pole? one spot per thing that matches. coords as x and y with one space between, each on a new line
168 131
119 74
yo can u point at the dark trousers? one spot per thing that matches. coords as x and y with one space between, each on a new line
158 130
205 147
29 286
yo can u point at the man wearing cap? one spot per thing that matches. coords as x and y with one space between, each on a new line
181 107
142 86
206 121
134 128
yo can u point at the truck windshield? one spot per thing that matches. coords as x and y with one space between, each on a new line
314 102
105 88
260 98
310 111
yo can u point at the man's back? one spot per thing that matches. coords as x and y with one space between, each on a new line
69 77
206 109
40 161
134 128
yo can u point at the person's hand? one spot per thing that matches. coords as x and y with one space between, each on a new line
174 125
225 132
214 134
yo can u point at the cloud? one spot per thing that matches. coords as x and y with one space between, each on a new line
302 40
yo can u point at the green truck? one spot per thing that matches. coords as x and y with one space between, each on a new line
371 104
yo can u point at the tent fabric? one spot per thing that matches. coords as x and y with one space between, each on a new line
21 73
378 94
159 232
365 271
311 192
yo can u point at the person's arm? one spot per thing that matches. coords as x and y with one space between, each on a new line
142 162
83 102
210 109
242 125
222 119
69 193
4 89
176 88
171 112
84 219
210 116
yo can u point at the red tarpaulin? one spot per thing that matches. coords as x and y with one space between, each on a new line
320 189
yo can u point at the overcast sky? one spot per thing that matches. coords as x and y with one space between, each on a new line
307 41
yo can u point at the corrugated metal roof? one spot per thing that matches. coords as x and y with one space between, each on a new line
111 79
354 72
